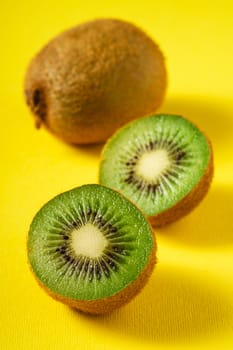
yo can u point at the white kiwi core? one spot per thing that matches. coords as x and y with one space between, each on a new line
89 241
152 164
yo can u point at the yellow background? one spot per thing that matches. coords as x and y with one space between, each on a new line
189 300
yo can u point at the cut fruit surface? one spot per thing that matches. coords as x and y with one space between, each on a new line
89 244
88 241
157 162
151 165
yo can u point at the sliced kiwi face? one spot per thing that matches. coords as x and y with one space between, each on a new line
89 244
158 161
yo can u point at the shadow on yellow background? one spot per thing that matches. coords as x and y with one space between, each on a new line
213 115
208 225
175 307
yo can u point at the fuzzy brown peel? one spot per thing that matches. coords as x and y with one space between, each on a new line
94 78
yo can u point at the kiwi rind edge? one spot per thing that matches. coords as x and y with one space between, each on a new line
190 201
113 302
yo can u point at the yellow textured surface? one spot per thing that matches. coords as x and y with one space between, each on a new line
189 300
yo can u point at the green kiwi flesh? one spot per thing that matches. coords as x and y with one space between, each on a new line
163 163
87 246
93 78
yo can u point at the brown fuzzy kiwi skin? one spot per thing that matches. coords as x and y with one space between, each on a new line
92 79
190 201
111 303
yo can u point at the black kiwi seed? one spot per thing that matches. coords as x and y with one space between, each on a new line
140 185
129 179
76 223
180 155
112 265
90 276
111 228
83 217
79 266
152 144
105 268
91 271
86 266
98 220
91 267
72 261
97 267
172 174
97 271
62 250
100 224
117 257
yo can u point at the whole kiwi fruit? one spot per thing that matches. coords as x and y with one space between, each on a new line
91 249
92 79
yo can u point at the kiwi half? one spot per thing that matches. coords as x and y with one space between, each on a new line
163 163
91 79
91 248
